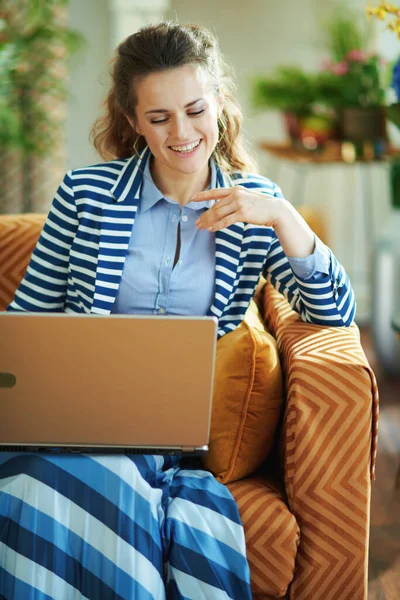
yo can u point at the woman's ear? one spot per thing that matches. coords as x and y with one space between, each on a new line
133 124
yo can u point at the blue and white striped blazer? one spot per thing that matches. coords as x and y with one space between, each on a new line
78 261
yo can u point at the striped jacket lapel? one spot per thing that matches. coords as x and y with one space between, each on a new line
228 243
118 216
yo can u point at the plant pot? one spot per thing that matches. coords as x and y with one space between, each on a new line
395 182
292 126
361 124
316 130
312 129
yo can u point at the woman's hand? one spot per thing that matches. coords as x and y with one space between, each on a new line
237 204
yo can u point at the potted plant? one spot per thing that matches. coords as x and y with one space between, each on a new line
293 91
351 80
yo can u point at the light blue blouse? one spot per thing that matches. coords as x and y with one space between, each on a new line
151 284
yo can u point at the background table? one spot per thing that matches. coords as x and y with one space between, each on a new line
351 198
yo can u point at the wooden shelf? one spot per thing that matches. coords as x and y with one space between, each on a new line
333 152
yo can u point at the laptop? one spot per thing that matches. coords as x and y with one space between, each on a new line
106 383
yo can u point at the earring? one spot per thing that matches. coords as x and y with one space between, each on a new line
221 125
135 150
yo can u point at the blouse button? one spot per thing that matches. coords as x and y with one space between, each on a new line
184 218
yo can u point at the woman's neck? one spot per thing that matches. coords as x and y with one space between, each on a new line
180 187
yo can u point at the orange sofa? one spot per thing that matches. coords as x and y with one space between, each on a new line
306 512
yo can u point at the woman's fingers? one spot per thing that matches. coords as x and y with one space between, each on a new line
237 204
214 194
223 222
214 214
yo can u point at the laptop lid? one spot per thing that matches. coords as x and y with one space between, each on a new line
117 381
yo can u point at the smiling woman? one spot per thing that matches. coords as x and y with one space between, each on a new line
176 223
158 50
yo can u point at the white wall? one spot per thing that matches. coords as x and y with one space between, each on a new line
257 35
104 24
254 36
87 78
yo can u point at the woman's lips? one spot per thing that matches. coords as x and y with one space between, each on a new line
185 154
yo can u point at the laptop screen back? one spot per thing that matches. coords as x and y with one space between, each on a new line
93 380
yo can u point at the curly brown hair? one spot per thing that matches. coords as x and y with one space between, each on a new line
156 48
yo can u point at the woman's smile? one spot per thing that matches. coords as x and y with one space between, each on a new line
186 150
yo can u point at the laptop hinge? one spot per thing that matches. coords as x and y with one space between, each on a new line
195 450
189 448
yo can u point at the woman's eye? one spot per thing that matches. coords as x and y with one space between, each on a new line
191 114
196 114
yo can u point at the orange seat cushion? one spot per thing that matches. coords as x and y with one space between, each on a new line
247 399
272 535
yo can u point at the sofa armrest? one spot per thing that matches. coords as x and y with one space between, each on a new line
18 237
333 352
328 445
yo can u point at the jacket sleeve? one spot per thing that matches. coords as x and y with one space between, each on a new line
328 300
44 287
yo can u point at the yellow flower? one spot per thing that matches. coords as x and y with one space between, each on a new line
382 11
391 8
379 12
395 26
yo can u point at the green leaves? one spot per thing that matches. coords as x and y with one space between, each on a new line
352 76
344 32
358 85
34 47
289 89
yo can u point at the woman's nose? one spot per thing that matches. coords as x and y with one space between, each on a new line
179 128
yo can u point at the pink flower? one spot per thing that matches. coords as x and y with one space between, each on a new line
340 68
326 64
357 55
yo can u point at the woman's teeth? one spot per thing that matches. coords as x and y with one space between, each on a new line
187 148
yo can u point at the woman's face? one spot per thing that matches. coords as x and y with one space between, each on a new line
177 113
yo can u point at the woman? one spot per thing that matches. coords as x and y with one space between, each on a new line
174 225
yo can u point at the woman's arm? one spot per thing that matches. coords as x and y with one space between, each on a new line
44 287
324 298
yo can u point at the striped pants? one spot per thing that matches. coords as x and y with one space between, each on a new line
117 527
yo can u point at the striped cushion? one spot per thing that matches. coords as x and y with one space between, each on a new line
271 532
18 237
